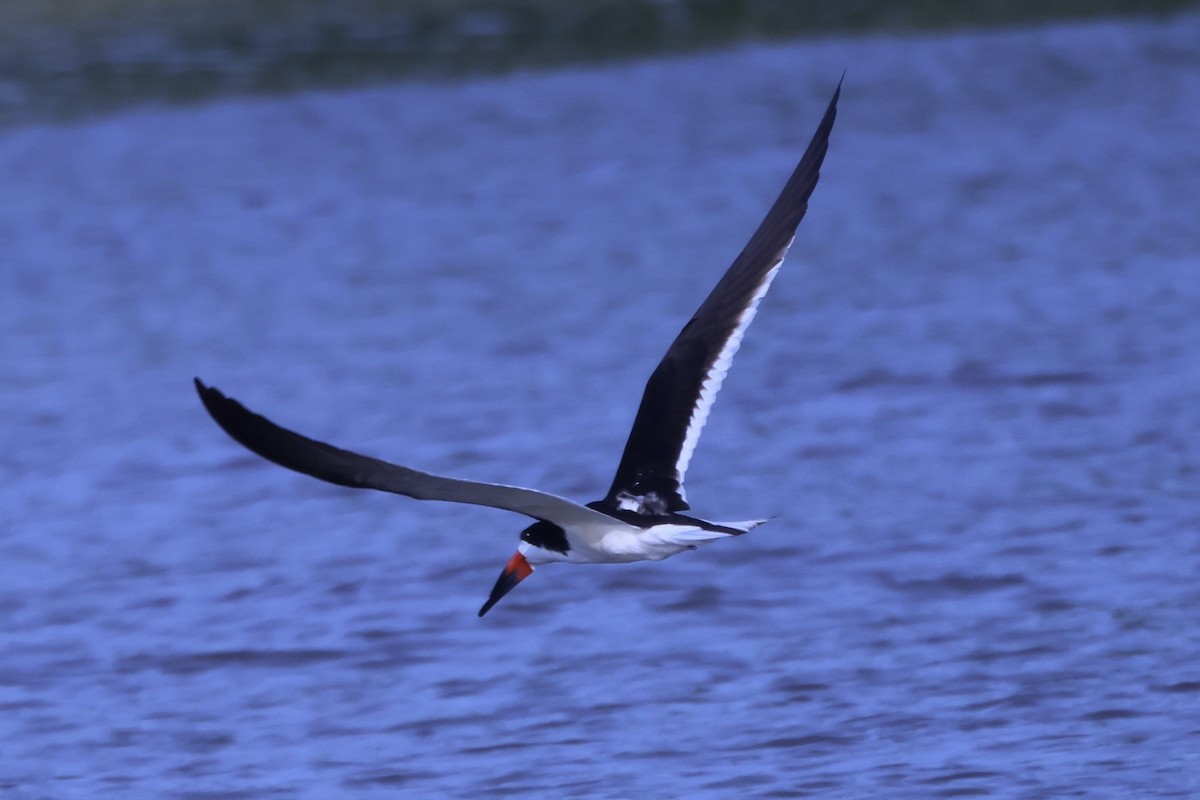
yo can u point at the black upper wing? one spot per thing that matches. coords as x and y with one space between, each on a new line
681 390
332 464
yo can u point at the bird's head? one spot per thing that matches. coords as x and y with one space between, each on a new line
541 543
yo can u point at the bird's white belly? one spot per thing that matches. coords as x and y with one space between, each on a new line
624 543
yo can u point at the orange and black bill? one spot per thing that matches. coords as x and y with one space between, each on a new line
516 570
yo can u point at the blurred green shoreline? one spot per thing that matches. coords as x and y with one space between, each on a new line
62 59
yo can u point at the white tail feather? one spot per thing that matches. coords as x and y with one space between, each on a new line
745 525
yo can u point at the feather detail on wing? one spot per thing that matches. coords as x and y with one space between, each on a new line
345 468
681 391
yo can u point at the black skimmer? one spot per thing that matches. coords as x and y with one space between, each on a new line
641 516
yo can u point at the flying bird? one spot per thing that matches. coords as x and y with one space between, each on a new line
641 517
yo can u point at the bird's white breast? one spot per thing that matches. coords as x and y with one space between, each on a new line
620 543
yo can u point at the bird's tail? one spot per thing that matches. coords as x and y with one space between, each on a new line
736 528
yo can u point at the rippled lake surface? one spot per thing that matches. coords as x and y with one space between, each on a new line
971 401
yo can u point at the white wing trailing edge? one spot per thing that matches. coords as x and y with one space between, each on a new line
640 518
681 391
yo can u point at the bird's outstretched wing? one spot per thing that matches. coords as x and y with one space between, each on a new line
681 390
288 449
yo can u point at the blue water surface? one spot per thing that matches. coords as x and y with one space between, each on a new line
971 402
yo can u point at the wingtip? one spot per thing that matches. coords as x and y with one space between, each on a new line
216 404
837 91
208 395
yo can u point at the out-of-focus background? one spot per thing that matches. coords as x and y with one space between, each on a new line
74 57
459 236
